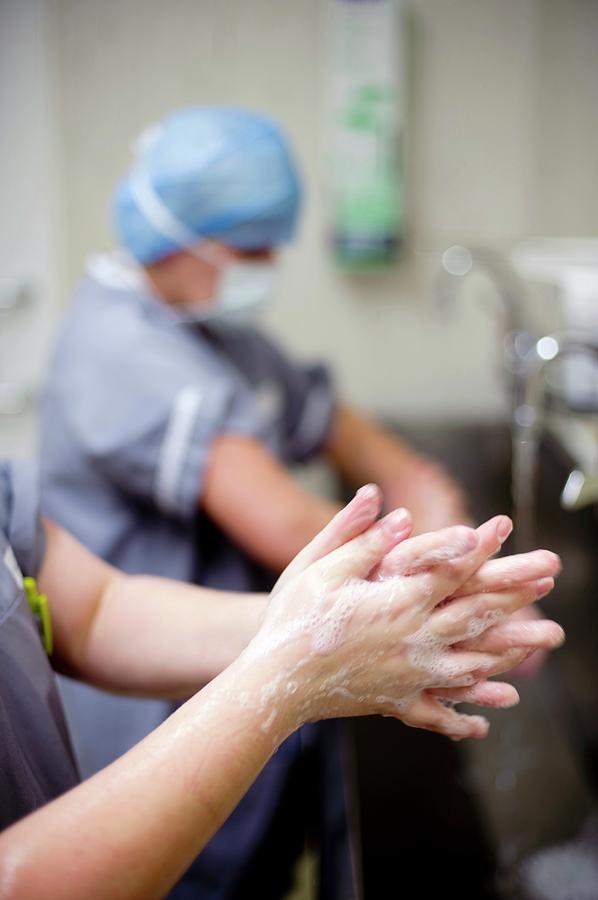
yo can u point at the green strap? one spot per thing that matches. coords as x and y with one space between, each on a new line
38 603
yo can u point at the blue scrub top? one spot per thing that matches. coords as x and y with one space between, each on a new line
135 397
36 760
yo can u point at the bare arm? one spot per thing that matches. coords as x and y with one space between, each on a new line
135 634
261 507
362 451
134 827
130 831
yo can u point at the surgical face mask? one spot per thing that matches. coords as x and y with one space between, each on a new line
243 287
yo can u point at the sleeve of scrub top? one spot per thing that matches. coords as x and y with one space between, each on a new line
147 420
23 526
310 403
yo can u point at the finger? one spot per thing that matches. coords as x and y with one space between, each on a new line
455 553
427 551
490 537
495 694
462 668
538 635
509 571
357 558
361 512
468 617
429 713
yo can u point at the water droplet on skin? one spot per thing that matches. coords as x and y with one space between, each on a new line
267 723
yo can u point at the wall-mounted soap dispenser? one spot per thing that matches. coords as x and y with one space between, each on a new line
366 64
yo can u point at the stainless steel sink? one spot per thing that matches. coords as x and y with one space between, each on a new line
471 818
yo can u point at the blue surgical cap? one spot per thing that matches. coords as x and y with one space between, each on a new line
220 172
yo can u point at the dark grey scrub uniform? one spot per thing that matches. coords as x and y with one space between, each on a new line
36 761
134 400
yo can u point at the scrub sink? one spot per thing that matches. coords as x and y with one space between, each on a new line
513 817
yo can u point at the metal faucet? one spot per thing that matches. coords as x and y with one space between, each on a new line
526 360
457 263
581 489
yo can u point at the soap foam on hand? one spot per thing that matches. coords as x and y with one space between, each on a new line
338 641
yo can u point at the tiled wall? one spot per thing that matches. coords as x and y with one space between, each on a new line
501 143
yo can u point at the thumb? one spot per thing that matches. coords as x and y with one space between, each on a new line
357 557
351 521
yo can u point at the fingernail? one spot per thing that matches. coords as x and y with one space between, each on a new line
396 523
559 636
367 492
472 727
461 540
543 587
504 529
510 702
482 726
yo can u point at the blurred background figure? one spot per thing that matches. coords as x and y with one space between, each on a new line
499 126
166 428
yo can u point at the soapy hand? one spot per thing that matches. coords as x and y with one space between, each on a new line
367 620
531 665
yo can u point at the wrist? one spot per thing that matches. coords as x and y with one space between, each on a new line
270 688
